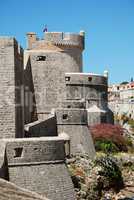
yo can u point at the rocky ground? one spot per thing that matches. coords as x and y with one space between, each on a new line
105 181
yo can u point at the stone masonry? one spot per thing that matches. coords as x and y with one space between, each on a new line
11 81
38 165
46 106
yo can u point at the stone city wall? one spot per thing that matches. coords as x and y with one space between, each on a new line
73 122
11 80
38 165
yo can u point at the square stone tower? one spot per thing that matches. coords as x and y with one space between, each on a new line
11 88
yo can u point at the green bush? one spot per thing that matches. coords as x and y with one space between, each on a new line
106 146
108 138
93 179
111 171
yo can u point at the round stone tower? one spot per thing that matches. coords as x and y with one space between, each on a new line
49 60
69 45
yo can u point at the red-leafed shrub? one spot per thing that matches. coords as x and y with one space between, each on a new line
108 137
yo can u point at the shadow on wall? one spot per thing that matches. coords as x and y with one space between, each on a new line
4 168
110 116
42 129
30 115
76 57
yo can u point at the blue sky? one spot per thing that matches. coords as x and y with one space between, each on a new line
109 27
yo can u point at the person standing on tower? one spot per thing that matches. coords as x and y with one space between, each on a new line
45 29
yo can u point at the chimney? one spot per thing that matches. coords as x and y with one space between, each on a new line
31 39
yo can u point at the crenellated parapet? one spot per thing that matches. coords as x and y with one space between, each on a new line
63 39
58 39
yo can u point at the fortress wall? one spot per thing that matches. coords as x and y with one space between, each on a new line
74 123
91 88
86 79
10 116
48 77
13 192
93 95
80 139
74 38
42 128
96 118
38 165
57 38
60 38
53 36
71 116
31 39
50 180
19 89
50 59
3 161
34 150
73 104
30 112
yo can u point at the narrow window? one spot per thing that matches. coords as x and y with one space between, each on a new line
89 78
18 152
41 58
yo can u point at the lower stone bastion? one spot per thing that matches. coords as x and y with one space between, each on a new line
38 164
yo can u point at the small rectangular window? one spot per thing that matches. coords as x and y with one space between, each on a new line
41 58
67 78
18 152
89 78
65 116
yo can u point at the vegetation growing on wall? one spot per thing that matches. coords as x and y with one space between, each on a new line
110 138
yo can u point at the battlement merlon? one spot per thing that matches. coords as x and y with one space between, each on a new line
59 39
